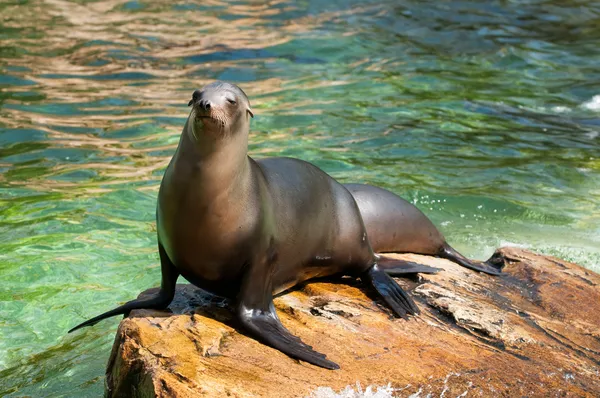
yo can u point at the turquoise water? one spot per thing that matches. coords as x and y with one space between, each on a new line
484 114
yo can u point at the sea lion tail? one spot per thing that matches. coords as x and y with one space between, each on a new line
158 302
491 266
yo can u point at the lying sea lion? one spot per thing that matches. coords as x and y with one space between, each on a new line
395 225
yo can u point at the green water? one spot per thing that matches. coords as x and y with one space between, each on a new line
482 113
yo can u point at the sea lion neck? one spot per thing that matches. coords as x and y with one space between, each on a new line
212 160
208 143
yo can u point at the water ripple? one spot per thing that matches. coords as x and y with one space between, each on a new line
485 115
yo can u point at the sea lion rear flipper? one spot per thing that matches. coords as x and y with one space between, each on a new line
489 267
395 267
160 301
390 292
257 314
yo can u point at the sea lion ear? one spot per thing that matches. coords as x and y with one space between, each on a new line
250 112
195 96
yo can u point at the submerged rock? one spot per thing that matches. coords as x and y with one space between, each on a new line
534 331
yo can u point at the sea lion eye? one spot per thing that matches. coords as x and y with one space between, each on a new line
232 102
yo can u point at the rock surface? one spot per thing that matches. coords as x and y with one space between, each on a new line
532 332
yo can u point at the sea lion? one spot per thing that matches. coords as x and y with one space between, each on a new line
248 230
395 225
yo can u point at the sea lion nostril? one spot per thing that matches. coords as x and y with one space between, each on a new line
205 104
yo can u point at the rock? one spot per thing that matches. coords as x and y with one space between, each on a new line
532 332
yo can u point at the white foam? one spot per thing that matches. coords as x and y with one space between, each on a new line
351 392
560 109
593 104
504 243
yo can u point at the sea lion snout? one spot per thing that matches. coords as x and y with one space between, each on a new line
204 104
214 105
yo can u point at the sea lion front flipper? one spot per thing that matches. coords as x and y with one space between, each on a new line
266 327
257 314
395 267
390 292
160 301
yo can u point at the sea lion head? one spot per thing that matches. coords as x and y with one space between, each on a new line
219 109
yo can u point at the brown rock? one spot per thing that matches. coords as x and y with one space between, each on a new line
532 332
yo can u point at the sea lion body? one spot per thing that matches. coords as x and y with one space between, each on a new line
394 224
306 217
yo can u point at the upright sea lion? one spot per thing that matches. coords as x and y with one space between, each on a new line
248 230
395 225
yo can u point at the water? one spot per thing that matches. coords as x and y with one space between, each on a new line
484 114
